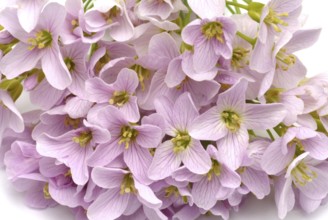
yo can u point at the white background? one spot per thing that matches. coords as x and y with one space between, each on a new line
12 205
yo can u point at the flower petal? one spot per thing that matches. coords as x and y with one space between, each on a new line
208 126
108 178
165 162
55 69
204 192
207 8
196 159
260 117
232 148
109 205
19 60
138 160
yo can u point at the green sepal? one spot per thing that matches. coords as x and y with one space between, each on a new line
13 87
255 10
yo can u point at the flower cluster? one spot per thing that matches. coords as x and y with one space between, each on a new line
161 109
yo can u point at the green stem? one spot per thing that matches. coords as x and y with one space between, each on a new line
270 134
230 9
237 5
250 40
237 8
87 4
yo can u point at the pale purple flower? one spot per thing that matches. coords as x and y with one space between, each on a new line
74 148
281 152
61 187
74 27
120 94
279 16
35 188
206 188
211 40
173 193
21 159
181 147
111 15
278 22
75 56
228 122
56 122
171 79
39 45
121 189
308 178
110 58
133 141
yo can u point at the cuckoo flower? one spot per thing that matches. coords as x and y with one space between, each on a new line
306 176
211 35
182 147
172 192
21 159
131 140
206 188
120 94
228 122
60 185
56 122
211 40
111 15
172 79
297 140
277 17
39 45
75 56
293 104
74 148
251 169
36 190
74 27
289 70
121 189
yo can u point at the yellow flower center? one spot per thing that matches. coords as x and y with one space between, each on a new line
46 193
181 142
71 122
239 58
83 139
215 170
232 120
41 40
213 30
127 136
119 98
285 60
275 20
112 14
273 95
143 75
127 185
303 175
70 64
174 191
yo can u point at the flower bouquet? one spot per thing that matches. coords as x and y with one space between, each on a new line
161 109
